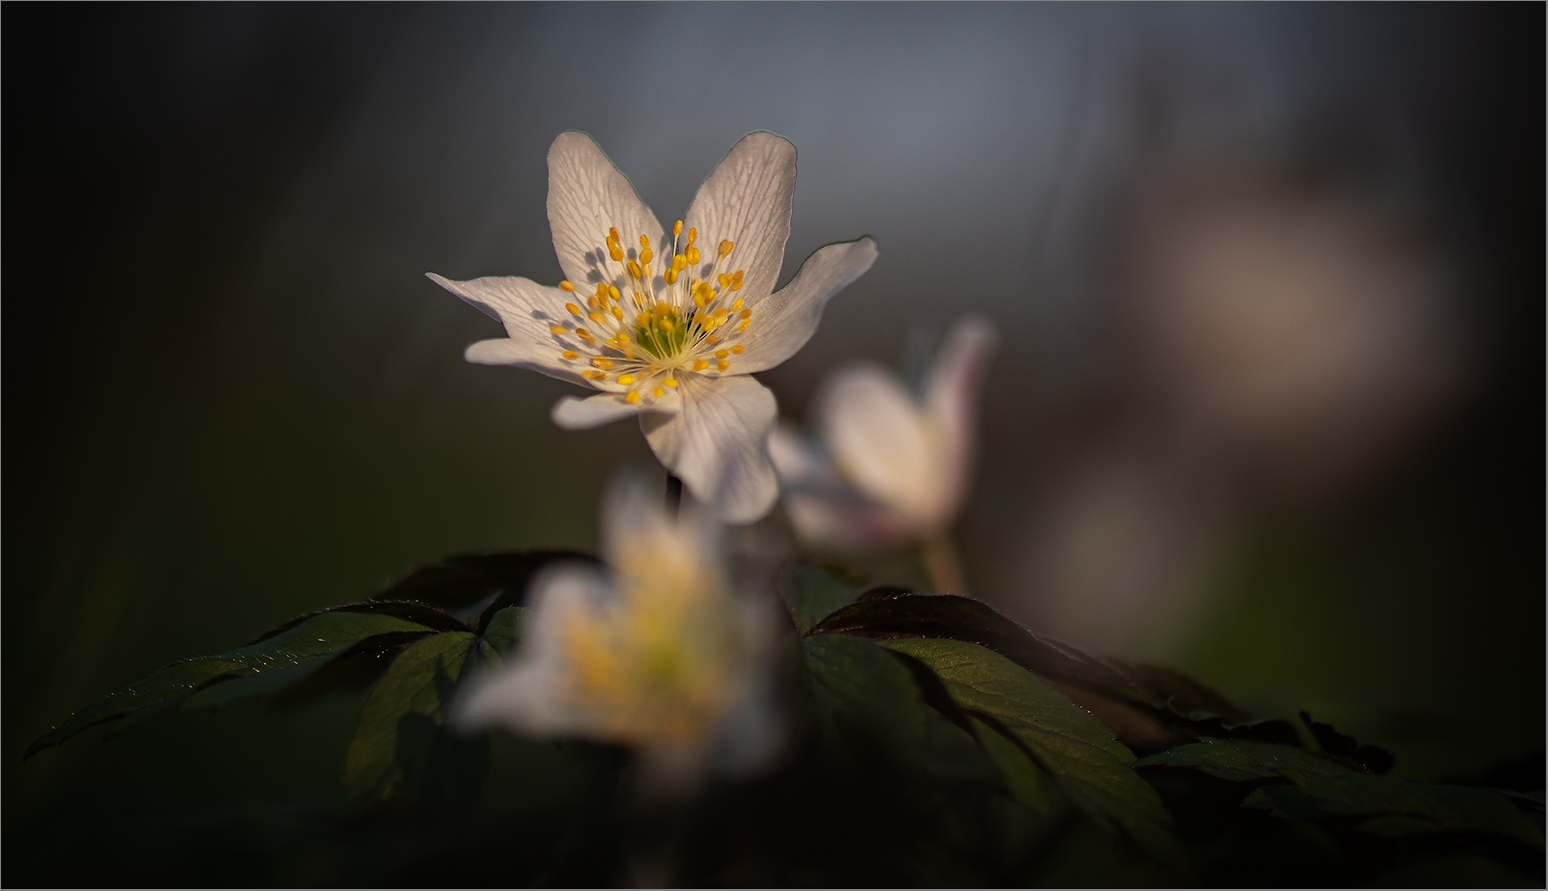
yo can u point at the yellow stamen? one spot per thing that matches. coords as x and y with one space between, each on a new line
736 304
658 392
665 324
604 364
570 354
725 248
693 235
632 398
712 340
557 329
700 365
677 228
617 313
721 354
645 242
626 379
566 286
679 263
574 310
743 327
670 276
738 349
722 365
693 255
736 280
671 382
596 317
634 269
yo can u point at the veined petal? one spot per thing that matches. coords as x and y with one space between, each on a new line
951 402
716 444
748 199
587 196
786 321
882 443
526 308
572 413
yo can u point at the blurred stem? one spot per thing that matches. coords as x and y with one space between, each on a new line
674 495
945 569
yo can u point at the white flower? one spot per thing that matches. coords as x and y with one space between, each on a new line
659 654
893 467
669 329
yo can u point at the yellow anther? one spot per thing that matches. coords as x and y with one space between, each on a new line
692 254
587 374
615 252
671 382
700 365
670 276
617 313
612 291
721 354
738 349
610 343
566 286
743 327
736 304
723 280
736 280
746 313
623 337
596 317
677 228
574 310
634 269
612 232
645 242
582 332
645 257
722 365
703 294
557 329
602 363
712 340
725 247
626 379
632 398
639 299
679 263
598 376
719 312
570 354
642 319
658 392
665 324
693 235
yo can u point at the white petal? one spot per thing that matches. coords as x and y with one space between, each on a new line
784 322
528 693
584 414
951 401
528 310
797 461
847 521
587 196
747 199
882 443
716 444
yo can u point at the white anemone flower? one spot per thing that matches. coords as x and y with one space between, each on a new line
660 653
669 327
893 467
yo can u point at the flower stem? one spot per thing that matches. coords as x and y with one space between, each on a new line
674 495
945 568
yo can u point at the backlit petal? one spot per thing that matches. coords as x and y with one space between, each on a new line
572 413
527 310
951 402
747 199
785 321
716 444
587 196
881 442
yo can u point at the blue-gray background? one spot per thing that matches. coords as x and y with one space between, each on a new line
232 396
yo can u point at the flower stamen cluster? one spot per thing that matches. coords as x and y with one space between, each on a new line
685 319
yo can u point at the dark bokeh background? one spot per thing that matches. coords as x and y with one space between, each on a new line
231 396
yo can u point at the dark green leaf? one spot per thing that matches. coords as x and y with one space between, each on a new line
870 711
250 670
1029 785
1239 760
813 592
169 685
1089 764
401 748
1147 707
501 635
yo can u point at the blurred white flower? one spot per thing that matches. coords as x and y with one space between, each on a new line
668 330
893 467
659 654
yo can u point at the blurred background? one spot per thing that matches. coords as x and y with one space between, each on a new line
1268 407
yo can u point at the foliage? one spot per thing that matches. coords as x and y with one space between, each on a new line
940 744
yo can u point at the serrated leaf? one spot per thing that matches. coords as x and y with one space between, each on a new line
983 680
1238 760
245 671
168 685
1089 764
401 748
870 709
814 592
